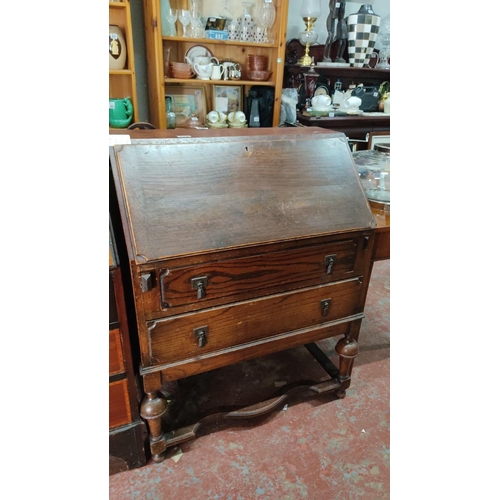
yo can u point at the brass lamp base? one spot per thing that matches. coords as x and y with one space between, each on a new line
306 59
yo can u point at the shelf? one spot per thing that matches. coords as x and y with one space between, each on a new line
196 81
121 72
162 50
210 41
122 82
379 74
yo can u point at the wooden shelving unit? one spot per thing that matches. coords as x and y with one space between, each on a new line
122 83
157 46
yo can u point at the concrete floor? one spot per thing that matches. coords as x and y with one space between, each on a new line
316 449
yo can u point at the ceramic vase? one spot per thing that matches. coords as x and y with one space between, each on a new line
117 48
362 32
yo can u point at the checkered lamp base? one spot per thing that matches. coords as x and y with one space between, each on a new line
361 37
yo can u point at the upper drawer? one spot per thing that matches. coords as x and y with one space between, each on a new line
175 339
182 289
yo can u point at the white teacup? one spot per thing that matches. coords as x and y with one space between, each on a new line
236 116
204 71
216 117
321 101
352 103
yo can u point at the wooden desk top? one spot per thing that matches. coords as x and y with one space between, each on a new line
382 219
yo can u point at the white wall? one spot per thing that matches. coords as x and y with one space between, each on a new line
296 25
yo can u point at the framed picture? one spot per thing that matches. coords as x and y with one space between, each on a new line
186 102
227 98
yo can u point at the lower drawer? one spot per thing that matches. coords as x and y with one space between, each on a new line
177 338
119 404
116 364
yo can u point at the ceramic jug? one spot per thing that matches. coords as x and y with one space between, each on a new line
234 72
121 112
218 72
204 71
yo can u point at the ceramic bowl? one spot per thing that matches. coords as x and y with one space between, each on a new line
257 62
183 74
180 66
258 76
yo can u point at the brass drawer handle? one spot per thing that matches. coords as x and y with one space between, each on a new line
325 306
201 335
329 261
200 284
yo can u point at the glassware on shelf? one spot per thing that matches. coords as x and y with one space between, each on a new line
171 17
196 30
185 19
233 29
247 24
267 14
384 37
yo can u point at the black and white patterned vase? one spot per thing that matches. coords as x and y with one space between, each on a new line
362 32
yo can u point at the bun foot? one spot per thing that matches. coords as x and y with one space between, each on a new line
340 394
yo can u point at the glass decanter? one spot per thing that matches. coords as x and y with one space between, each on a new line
247 24
384 36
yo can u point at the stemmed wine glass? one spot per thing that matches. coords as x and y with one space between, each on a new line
171 17
185 19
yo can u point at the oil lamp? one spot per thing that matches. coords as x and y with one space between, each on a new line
310 11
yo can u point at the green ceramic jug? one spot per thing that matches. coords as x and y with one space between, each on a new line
121 112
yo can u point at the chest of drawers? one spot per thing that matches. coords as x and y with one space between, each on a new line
240 246
127 431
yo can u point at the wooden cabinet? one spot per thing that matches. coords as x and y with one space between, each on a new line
267 248
122 82
127 432
164 49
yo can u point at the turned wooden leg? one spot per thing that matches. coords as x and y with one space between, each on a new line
347 349
153 406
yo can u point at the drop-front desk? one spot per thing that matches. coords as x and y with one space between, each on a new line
241 243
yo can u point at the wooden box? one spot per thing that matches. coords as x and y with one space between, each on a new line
240 246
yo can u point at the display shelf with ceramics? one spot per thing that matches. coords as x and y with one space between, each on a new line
327 79
165 44
122 82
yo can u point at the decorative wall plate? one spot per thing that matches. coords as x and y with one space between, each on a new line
321 89
197 50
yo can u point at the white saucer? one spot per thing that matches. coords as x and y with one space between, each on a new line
354 112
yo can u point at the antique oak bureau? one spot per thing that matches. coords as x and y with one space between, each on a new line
241 245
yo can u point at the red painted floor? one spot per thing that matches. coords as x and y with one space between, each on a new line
315 449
